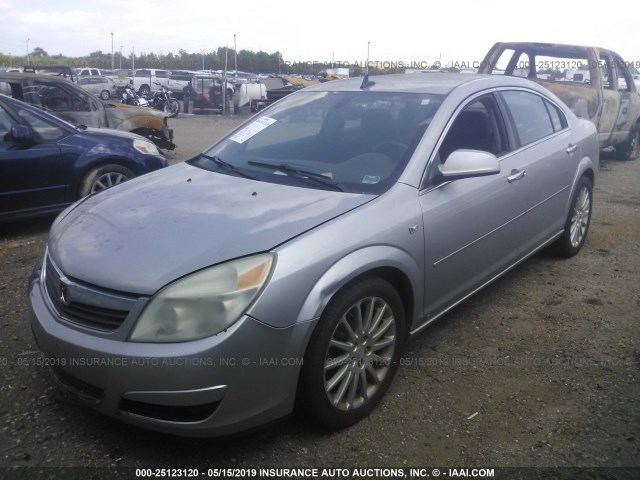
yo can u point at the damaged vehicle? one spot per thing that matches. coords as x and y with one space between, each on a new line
72 103
285 267
595 83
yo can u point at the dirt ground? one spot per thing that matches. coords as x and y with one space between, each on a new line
541 369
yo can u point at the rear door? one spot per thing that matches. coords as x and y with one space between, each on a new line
629 100
32 177
547 158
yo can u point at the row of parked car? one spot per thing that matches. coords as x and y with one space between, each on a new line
147 80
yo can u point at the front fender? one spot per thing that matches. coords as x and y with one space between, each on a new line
128 118
361 262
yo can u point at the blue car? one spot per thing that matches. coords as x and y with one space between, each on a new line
47 164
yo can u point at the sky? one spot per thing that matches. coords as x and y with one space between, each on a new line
452 31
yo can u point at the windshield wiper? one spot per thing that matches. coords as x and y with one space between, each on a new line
228 166
300 173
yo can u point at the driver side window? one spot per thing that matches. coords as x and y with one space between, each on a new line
477 127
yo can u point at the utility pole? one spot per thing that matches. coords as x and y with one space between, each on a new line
202 59
120 57
111 50
28 59
224 82
235 52
133 58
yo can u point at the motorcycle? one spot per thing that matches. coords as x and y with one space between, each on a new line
130 97
160 100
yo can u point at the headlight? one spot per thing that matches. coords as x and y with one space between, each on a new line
204 303
145 147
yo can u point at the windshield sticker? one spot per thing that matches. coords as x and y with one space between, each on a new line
250 130
371 179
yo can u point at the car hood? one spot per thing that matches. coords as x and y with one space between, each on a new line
143 234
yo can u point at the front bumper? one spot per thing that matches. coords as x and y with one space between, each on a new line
236 380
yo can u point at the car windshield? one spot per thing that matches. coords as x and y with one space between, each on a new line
356 142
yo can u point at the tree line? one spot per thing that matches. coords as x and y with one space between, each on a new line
247 61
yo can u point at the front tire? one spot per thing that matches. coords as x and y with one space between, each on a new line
578 220
172 107
353 354
631 148
103 177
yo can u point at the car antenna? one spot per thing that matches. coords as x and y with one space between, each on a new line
365 81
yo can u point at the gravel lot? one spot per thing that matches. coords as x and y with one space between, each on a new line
541 369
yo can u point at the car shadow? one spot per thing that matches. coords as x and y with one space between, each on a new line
26 227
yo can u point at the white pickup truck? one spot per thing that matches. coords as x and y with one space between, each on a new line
147 80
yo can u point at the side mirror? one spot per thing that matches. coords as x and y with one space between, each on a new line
468 164
22 134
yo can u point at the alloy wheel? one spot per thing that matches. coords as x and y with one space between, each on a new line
108 180
360 353
580 217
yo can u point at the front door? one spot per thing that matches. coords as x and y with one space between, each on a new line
32 176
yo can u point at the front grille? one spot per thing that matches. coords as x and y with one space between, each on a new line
91 316
169 413
83 313
79 386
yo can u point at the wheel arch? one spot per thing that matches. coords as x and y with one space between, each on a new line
87 169
389 263
586 168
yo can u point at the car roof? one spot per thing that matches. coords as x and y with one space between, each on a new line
438 83
53 78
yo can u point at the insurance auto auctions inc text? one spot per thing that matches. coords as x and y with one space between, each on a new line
373 473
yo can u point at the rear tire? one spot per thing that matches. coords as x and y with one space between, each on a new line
578 220
353 353
103 177
144 90
105 95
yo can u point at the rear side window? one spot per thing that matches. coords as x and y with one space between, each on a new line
530 116
558 120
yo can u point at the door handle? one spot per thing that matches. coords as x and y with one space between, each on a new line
625 110
516 175
572 148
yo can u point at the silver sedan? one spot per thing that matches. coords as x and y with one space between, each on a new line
102 87
285 266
